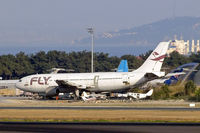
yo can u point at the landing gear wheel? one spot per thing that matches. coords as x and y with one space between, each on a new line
76 95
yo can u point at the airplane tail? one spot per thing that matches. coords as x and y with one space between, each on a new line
154 62
84 97
85 94
123 66
149 93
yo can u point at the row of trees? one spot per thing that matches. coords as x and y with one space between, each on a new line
21 64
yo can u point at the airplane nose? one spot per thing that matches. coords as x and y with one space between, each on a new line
18 84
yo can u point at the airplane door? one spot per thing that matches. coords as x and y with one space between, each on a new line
126 79
96 80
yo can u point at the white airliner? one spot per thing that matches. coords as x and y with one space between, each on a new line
52 84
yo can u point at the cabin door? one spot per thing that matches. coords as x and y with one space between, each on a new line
96 80
126 79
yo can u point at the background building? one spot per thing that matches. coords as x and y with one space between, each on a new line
184 48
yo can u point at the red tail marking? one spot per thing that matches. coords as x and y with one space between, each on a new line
159 58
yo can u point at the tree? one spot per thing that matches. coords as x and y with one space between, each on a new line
195 57
175 60
21 64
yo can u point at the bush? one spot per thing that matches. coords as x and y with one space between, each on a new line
161 93
197 94
189 87
165 90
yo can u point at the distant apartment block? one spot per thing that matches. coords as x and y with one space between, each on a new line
184 48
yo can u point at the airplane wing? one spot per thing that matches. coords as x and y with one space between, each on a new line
69 84
174 74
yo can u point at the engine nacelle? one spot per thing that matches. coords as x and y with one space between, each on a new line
52 91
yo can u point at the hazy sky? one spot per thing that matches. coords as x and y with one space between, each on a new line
48 22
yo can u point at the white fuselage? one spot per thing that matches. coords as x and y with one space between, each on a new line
100 82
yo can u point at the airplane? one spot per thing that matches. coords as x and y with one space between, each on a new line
180 73
50 85
136 95
167 79
92 97
87 97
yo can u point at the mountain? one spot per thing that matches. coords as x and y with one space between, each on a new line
145 37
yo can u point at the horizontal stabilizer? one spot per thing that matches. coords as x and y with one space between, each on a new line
159 74
154 75
149 93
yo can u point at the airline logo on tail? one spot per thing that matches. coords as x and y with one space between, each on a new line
157 57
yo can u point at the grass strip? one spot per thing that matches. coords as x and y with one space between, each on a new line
98 116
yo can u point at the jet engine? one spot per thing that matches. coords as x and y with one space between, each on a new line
52 91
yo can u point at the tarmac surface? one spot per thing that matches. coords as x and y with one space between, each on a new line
91 127
100 127
105 108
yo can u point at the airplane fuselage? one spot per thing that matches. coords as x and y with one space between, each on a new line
100 82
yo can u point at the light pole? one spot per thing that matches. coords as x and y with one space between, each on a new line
91 31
